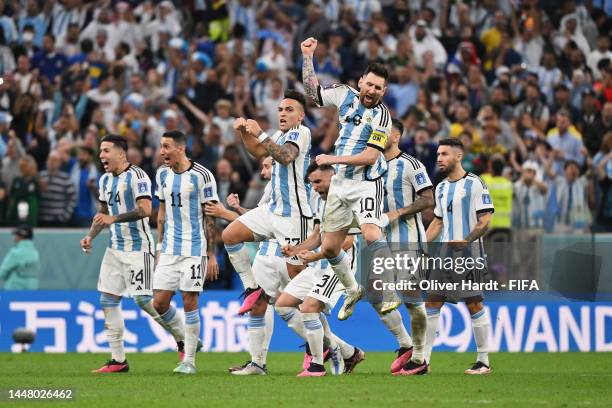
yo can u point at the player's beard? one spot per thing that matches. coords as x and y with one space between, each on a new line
449 169
363 101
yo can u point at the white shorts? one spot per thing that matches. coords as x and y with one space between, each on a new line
271 274
177 272
318 284
352 203
285 230
126 273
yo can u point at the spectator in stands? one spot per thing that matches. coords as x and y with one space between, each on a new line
57 194
84 176
20 267
566 143
24 195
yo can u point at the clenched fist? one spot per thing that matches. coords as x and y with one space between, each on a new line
253 127
308 46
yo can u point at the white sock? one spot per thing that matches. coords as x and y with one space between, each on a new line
239 257
346 349
314 334
192 335
342 268
145 302
294 320
113 326
418 326
333 341
395 324
328 340
480 326
175 325
256 338
268 330
433 318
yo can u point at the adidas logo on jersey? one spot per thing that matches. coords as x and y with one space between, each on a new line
197 284
139 287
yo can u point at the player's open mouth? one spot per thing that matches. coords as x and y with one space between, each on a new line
368 98
104 164
283 121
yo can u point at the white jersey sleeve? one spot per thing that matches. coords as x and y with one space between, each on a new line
417 176
332 95
141 185
101 192
158 184
209 189
267 194
300 137
481 198
438 205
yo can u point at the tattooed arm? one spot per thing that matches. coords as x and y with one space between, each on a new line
283 154
424 200
86 243
96 228
161 222
142 210
212 268
484 218
309 78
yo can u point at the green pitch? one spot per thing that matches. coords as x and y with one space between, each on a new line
534 380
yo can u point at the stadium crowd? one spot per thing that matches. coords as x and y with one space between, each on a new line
526 85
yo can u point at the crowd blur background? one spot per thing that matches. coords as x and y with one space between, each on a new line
525 84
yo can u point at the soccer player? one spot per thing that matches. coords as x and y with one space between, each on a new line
317 289
462 214
186 249
356 193
125 206
270 271
409 192
288 216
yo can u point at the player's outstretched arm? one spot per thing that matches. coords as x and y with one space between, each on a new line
434 229
250 141
367 157
309 78
424 200
142 210
313 241
218 210
95 229
284 154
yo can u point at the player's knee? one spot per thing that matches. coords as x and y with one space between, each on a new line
260 307
108 300
160 306
311 305
329 251
142 300
371 232
228 237
474 307
434 304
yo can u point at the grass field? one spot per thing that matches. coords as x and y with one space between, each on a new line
537 379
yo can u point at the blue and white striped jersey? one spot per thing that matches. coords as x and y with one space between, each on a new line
405 178
458 204
290 195
183 195
120 193
270 247
318 205
360 127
